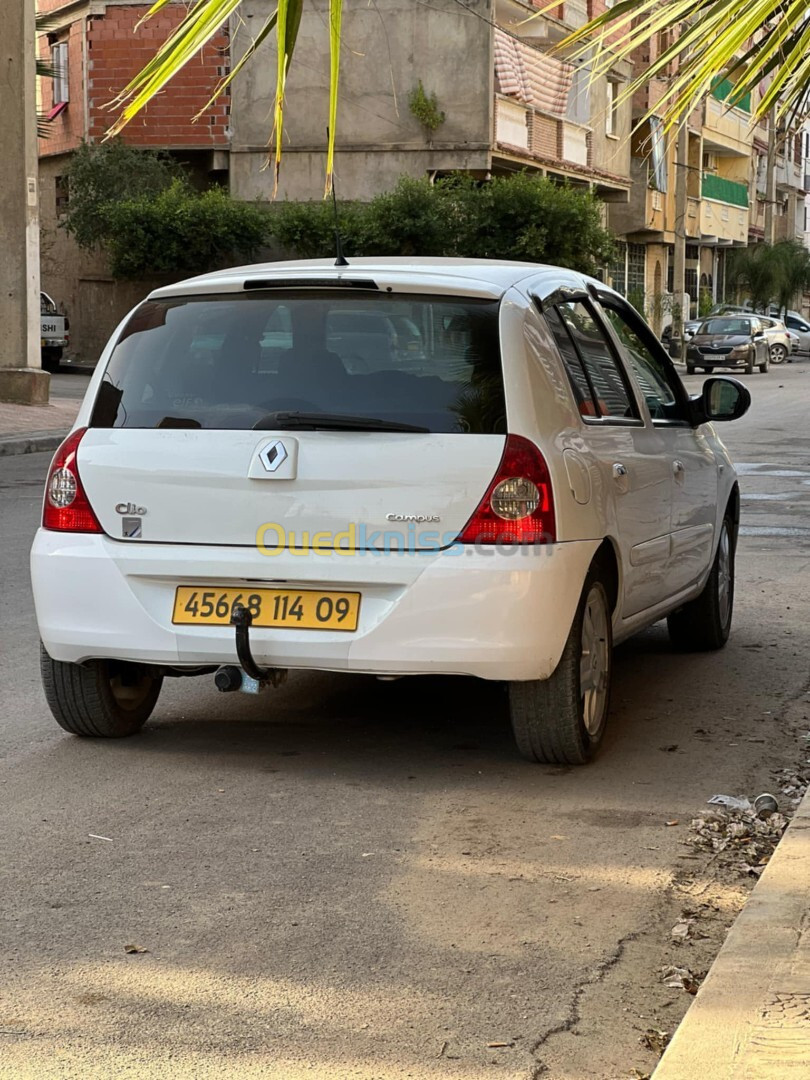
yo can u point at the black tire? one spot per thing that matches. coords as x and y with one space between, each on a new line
51 357
105 699
764 367
704 624
749 365
690 369
549 715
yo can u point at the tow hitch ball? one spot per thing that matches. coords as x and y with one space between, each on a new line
250 678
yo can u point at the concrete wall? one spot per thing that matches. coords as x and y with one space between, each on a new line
387 48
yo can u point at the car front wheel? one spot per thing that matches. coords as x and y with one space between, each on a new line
561 720
107 699
704 623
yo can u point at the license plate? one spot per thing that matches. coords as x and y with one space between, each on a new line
298 609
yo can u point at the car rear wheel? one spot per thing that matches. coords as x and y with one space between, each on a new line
704 623
107 699
561 720
778 354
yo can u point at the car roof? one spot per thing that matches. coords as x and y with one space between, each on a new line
469 277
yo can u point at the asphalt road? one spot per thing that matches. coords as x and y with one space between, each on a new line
354 879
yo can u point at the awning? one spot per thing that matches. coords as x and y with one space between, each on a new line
51 114
532 76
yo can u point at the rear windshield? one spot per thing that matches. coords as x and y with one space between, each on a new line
227 361
726 326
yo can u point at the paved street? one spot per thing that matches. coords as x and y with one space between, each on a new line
347 878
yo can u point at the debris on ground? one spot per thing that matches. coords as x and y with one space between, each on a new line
655 1040
738 838
730 802
682 928
135 949
765 805
681 978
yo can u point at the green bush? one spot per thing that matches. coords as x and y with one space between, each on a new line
103 173
521 217
181 231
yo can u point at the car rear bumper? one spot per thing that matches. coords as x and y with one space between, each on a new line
496 614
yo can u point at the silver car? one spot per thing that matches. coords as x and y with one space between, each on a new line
779 342
729 341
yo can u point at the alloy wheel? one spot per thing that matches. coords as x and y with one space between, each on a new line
594 665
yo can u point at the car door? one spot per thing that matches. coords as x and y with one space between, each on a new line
631 474
688 450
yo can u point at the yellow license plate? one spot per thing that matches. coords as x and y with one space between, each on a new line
298 609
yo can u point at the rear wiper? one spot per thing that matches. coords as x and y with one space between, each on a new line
313 421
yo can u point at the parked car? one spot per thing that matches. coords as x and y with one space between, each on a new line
799 326
54 330
673 344
778 339
729 341
541 488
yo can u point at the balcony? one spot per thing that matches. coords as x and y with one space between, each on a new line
541 134
722 190
727 128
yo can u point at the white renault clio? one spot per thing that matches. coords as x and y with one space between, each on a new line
397 467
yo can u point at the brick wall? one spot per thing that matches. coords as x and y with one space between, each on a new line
105 52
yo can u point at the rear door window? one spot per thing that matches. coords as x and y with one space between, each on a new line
227 361
599 383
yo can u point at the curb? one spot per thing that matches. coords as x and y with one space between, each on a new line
750 1017
34 442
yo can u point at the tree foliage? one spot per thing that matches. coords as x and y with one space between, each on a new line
102 174
521 217
770 273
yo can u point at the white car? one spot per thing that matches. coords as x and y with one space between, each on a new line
240 497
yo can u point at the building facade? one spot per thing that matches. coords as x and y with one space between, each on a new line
508 103
93 49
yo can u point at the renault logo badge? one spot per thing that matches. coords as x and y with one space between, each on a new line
274 455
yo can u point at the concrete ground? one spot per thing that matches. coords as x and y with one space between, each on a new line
355 879
26 429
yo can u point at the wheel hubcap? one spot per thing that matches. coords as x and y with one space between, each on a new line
724 576
594 664
777 354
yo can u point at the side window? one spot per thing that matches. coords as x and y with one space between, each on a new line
610 394
572 364
658 382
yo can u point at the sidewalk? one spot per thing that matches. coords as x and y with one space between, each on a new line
751 1017
27 429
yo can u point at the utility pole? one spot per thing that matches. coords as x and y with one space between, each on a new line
770 180
21 376
679 262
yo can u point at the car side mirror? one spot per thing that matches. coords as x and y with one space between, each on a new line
723 398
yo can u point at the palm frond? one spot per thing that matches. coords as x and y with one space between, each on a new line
335 22
287 23
752 40
202 22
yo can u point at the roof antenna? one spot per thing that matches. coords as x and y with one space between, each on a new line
341 258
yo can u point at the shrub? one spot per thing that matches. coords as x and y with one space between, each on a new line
519 217
181 231
104 173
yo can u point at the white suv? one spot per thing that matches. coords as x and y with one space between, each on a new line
398 467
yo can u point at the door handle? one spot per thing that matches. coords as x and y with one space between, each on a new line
619 470
678 470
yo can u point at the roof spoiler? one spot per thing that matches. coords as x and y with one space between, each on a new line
311 283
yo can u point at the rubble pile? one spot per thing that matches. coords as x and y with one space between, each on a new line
740 839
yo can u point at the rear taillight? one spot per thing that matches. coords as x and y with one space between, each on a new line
66 507
518 507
